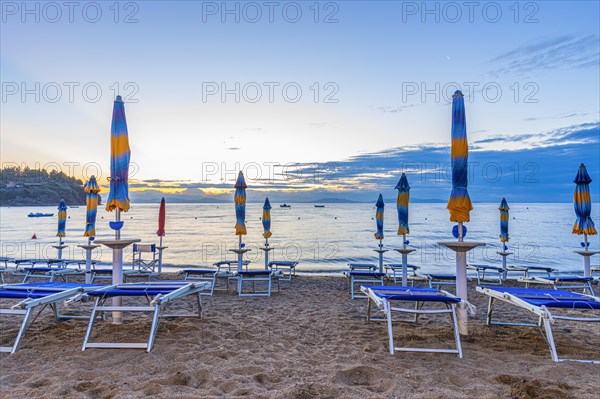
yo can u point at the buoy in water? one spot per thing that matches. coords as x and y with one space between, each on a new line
34 237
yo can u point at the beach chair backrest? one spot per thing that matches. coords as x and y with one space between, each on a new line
144 264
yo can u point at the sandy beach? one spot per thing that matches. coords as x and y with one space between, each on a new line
308 341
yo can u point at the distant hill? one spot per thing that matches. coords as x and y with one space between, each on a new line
27 187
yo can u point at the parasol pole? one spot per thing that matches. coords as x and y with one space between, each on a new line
240 263
267 254
381 255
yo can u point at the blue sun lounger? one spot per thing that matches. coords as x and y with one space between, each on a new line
362 276
561 282
386 298
527 270
253 276
286 268
495 271
210 275
158 295
436 280
5 269
230 265
38 295
539 302
394 267
50 273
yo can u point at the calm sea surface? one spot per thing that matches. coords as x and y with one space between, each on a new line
322 239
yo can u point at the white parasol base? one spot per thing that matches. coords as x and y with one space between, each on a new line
117 278
586 260
266 249
59 249
380 252
405 252
88 260
461 248
504 254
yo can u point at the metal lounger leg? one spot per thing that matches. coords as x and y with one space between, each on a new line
154 327
88 333
456 332
199 300
489 312
214 283
388 313
590 289
22 330
550 339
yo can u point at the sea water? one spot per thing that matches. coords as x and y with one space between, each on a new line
320 239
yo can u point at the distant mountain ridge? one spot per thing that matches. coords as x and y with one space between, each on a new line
30 187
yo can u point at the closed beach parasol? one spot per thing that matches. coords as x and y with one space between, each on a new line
162 217
162 214
459 203
240 206
240 215
266 222
62 220
91 203
504 235
583 205
379 233
402 205
583 209
118 198
504 223
62 227
379 217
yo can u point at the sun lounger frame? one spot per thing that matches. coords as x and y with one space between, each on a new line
412 270
387 308
528 269
27 306
155 307
45 273
556 281
360 277
210 275
288 268
437 280
481 270
545 318
246 276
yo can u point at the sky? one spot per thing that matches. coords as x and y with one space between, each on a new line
312 100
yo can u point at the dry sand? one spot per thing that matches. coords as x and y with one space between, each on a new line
308 341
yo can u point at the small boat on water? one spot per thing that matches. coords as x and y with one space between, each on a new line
74 206
319 206
39 215
285 206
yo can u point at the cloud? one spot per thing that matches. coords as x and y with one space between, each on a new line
531 167
561 52
559 116
392 110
